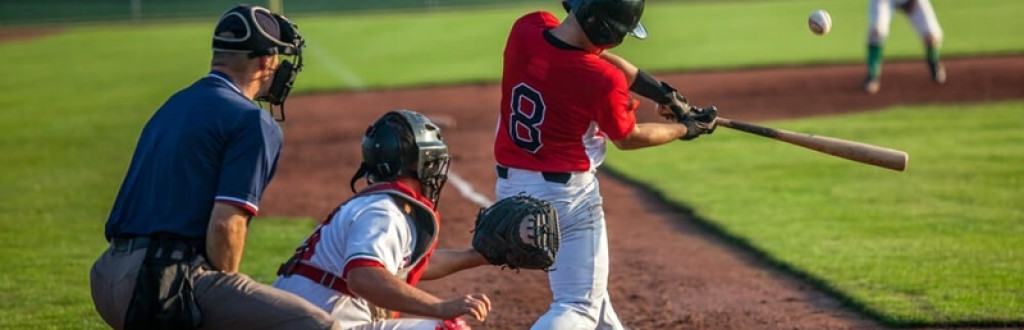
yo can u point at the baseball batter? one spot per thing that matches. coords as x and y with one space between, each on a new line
363 262
563 97
922 16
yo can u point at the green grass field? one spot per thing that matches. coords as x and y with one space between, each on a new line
74 103
939 243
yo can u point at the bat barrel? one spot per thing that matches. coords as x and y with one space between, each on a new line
855 151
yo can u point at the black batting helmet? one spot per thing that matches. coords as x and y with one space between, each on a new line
606 22
405 142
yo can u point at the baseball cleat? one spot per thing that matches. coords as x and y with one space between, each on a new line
871 85
938 72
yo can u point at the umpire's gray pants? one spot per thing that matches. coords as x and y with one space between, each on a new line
227 301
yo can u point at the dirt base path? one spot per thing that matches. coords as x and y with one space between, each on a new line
667 271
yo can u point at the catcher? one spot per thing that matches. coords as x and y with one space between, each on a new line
363 262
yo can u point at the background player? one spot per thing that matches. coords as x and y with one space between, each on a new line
922 15
366 258
561 100
178 227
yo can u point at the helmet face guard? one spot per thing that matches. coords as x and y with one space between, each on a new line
607 22
258 32
432 160
404 142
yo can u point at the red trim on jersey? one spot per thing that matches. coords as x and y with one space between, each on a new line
360 262
418 269
244 206
550 98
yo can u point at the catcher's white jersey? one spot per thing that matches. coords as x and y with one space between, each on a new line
367 230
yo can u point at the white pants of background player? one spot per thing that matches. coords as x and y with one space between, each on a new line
922 16
579 281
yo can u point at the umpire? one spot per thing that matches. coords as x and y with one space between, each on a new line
178 227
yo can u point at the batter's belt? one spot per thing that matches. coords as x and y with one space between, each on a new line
553 177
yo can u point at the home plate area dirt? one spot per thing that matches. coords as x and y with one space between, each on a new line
667 270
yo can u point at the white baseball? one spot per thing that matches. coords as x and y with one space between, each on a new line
819 22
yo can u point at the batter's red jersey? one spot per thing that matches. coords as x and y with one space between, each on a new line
557 104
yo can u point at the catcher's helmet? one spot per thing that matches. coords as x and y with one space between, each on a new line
606 22
404 142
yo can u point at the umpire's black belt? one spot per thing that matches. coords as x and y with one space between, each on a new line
129 244
141 242
554 177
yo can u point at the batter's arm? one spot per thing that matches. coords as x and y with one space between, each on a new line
225 236
644 84
445 262
650 134
627 68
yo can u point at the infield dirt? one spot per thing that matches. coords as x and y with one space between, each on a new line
667 271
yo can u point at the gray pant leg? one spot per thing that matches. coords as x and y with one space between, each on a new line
227 301
235 301
112 279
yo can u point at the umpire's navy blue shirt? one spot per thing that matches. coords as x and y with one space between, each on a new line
207 143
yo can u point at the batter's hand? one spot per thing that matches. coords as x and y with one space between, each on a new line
676 109
473 305
699 121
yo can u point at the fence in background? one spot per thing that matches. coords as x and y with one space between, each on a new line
35 12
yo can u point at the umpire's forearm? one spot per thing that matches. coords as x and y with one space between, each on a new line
444 262
225 237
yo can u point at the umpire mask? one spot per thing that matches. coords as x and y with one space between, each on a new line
404 142
258 32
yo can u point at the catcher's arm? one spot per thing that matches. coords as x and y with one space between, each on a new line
445 262
383 289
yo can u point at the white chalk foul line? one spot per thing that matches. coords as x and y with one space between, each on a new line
336 68
466 190
346 76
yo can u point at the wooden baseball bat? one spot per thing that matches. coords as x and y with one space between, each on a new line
855 151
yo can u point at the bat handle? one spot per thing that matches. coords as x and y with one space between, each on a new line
747 127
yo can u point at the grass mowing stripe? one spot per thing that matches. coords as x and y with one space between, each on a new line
937 244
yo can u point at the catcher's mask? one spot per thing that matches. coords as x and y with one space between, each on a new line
404 142
606 22
258 32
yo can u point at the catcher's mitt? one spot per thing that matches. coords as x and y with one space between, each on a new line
518 232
